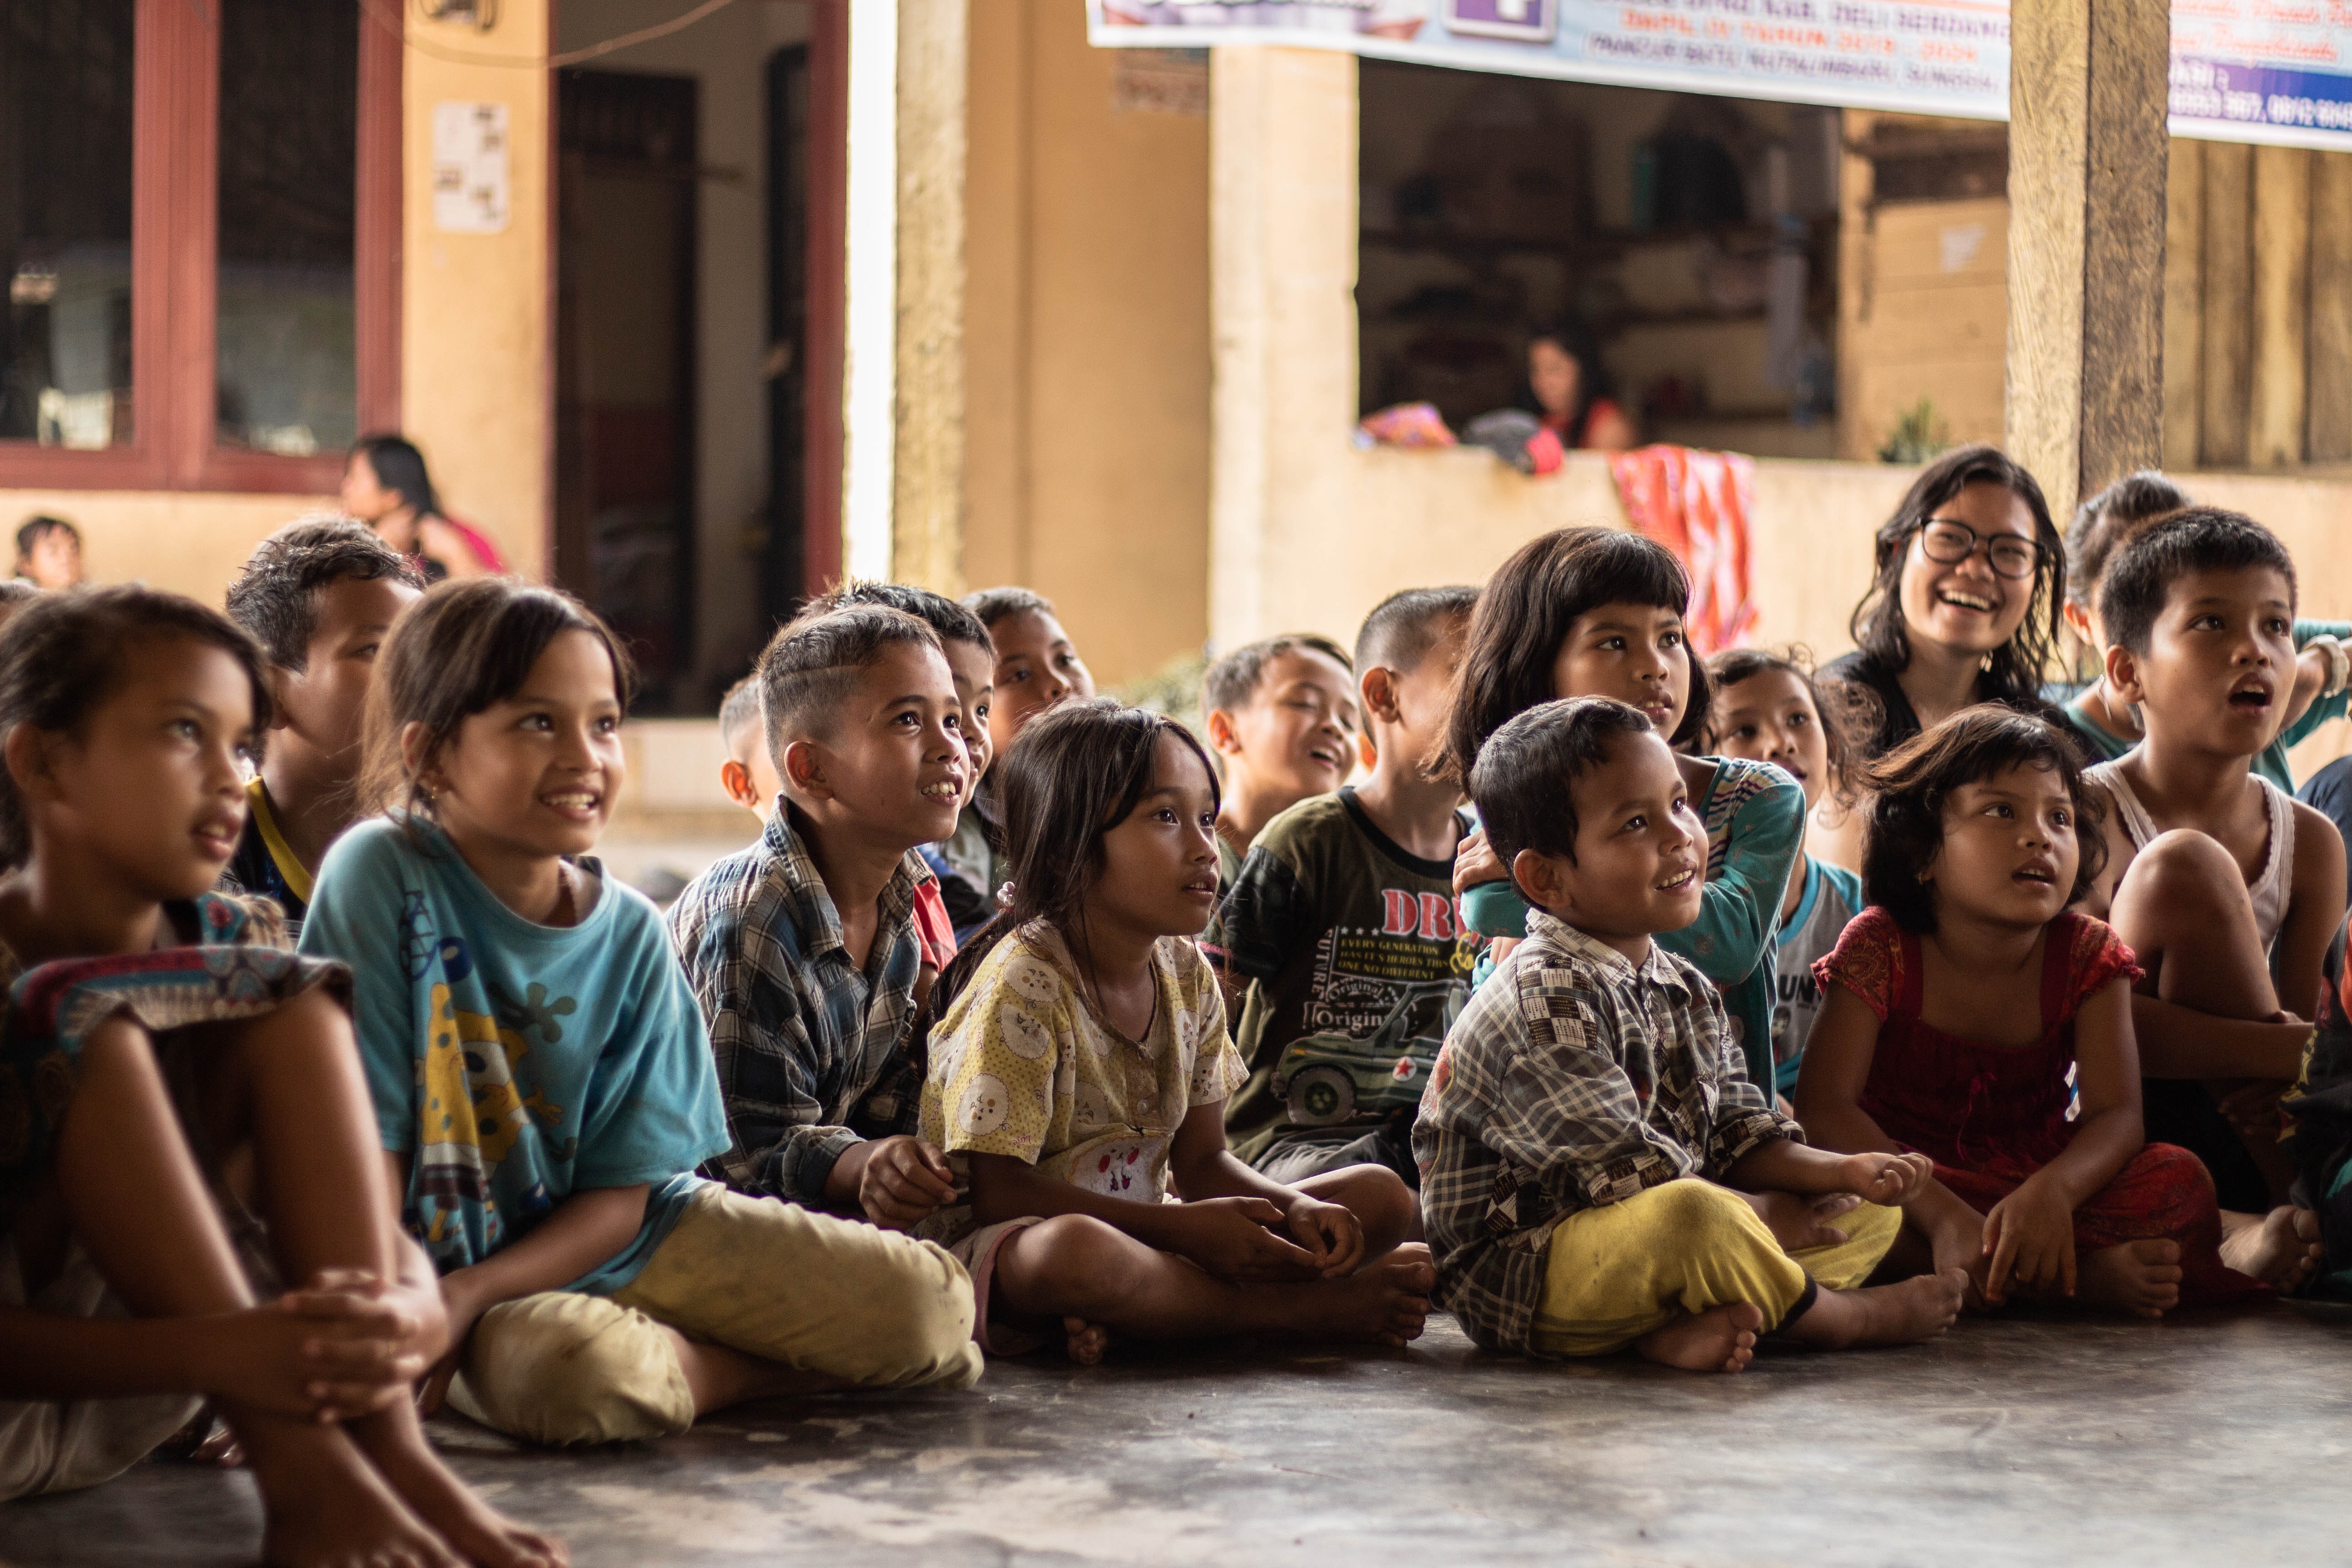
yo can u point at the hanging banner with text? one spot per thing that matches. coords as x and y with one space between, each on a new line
2242 71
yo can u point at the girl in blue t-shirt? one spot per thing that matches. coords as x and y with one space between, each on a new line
1767 708
543 1085
157 1040
1598 612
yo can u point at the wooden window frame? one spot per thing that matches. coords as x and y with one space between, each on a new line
175 272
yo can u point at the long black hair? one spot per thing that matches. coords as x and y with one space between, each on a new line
1075 772
2014 671
1525 611
399 465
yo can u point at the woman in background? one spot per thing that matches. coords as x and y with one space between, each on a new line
1568 390
385 486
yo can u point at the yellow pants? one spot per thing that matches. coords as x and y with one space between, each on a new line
1619 1272
848 1304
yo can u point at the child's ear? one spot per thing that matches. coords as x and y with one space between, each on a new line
279 678
414 738
2123 673
27 757
1377 690
1540 879
2078 621
1222 735
1367 753
801 766
736 780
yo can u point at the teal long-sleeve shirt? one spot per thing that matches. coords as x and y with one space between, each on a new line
1754 815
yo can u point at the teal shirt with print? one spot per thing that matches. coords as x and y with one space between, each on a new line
516 1063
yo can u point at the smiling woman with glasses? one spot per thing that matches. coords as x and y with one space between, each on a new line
1963 606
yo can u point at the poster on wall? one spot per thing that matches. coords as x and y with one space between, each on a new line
2242 71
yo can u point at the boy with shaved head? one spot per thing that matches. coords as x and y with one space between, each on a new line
803 948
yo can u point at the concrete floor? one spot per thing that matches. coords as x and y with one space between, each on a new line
2211 1439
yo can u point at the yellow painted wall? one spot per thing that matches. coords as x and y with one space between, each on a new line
1087 342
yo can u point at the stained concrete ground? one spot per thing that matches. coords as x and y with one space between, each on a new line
2208 1439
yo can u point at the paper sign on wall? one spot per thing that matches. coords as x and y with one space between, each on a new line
469 167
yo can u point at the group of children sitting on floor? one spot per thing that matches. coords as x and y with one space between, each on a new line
338 1081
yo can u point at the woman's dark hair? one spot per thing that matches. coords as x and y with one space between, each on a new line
456 651
37 528
1075 772
2014 671
1524 613
1904 828
1848 724
1593 379
61 657
399 465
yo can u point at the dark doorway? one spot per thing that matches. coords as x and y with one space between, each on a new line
624 501
783 564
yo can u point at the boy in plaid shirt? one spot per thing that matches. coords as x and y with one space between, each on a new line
1597 1171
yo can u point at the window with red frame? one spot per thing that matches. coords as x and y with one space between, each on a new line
200 227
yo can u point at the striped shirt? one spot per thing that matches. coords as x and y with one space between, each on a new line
1573 1079
812 1054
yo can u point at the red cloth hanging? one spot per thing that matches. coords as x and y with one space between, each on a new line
1697 504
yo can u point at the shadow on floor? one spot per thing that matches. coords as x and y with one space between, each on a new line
2209 1438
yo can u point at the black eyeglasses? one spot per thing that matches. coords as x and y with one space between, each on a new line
1949 543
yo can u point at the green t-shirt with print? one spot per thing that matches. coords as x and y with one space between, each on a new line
1349 949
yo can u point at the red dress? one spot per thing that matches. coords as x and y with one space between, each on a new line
1991 1116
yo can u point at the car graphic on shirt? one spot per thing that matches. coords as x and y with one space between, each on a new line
1331 1078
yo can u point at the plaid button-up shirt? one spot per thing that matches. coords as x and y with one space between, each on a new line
812 1054
1573 1079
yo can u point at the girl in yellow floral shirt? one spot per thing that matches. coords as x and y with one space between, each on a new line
1077 1080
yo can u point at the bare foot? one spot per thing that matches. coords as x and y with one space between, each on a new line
2280 1250
2142 1278
1086 1340
1387 1302
1722 1339
324 1506
481 1534
1903 1313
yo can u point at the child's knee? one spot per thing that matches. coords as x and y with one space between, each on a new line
921 1326
2185 876
1702 1213
1375 1195
1072 1258
562 1368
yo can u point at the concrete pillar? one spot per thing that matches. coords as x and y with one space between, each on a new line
1282 277
2086 191
928 466
475 352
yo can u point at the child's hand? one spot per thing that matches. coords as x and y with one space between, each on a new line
2030 1237
904 1181
2251 1109
1474 863
1888 1180
1234 1239
1330 1231
1960 1244
1802 1220
320 1355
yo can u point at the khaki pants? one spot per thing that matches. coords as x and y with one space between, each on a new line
829 1297
1617 1272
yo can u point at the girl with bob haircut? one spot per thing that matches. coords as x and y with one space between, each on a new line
1598 612
543 1086
1963 606
1955 1009
1078 1072
165 1064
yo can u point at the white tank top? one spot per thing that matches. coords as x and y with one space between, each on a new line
2270 889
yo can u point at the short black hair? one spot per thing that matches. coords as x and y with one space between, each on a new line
952 621
1904 828
739 710
61 657
1227 685
1524 783
2202 539
2102 525
276 596
810 667
1403 627
37 528
993 605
